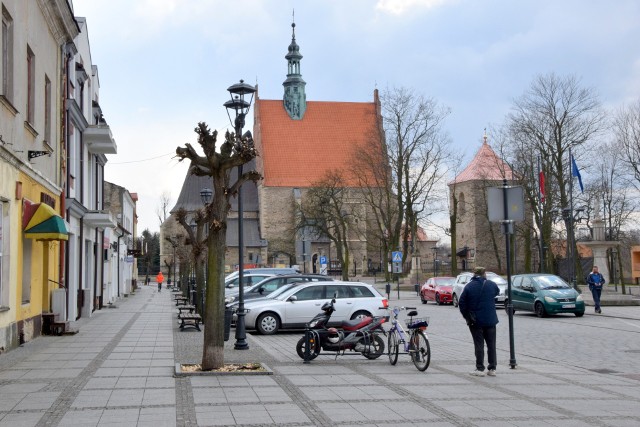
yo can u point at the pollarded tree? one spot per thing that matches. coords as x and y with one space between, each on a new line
235 151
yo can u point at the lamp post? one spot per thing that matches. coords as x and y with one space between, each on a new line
206 195
435 261
240 107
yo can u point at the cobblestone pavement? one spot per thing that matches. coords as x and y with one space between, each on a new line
118 370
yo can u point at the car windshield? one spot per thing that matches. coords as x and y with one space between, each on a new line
445 281
550 282
496 279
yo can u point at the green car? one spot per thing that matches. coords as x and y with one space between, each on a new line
545 294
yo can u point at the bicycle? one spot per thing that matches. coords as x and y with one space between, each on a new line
418 344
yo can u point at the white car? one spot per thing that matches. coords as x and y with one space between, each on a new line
298 305
464 278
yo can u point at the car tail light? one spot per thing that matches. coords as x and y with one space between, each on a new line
385 303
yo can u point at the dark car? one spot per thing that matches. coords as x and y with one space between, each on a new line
270 284
438 289
545 294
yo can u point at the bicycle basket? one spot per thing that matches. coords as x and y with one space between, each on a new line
417 322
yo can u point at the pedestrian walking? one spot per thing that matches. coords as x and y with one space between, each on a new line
478 307
595 280
159 279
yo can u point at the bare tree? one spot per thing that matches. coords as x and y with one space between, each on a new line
405 176
162 210
553 116
627 133
234 151
329 210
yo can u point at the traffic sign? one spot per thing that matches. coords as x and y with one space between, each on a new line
396 256
323 260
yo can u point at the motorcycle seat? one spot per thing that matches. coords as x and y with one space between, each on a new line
355 324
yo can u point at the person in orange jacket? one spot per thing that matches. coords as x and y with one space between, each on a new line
159 279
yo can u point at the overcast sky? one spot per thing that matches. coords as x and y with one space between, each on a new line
165 65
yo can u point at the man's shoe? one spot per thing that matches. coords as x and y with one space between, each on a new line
477 373
599 311
491 372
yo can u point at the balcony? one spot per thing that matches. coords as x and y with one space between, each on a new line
99 140
99 219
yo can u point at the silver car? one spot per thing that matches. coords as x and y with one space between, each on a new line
297 305
464 278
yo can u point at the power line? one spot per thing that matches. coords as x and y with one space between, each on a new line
143 160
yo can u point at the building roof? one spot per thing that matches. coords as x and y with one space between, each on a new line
190 200
485 166
298 153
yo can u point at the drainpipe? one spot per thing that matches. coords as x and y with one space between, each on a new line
118 266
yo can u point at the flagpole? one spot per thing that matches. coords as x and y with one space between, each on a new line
571 238
540 212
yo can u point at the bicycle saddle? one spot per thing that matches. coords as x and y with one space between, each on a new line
412 313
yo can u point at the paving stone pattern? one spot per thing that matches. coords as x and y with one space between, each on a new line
118 370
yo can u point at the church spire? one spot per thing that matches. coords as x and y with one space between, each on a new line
295 99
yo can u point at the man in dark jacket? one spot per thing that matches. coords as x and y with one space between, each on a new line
595 280
478 307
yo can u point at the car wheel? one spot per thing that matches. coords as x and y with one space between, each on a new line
424 301
539 309
579 313
455 300
268 324
438 299
360 315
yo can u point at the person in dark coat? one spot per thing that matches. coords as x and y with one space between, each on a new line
595 280
478 307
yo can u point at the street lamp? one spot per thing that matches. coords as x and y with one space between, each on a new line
435 261
240 107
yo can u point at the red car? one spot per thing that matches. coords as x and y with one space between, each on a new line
437 289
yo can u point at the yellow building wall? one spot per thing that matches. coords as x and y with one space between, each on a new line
44 268
8 177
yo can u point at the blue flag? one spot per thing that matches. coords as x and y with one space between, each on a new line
576 172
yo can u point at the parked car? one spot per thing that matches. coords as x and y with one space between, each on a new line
271 271
231 285
298 305
438 289
545 294
270 284
464 278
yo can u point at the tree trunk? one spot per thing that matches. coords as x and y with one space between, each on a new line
213 348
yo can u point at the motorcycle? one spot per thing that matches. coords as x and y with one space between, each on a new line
359 335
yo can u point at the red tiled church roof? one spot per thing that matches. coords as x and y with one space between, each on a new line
298 153
485 166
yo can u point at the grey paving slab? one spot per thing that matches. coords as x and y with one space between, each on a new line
118 370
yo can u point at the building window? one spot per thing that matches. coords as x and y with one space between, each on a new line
27 248
4 264
31 85
47 110
7 55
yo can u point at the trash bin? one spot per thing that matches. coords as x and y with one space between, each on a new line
387 289
417 288
228 314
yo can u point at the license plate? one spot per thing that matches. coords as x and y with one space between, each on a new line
568 306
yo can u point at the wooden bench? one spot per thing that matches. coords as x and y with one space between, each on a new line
190 319
182 309
181 301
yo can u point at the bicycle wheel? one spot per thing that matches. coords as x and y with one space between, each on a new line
420 350
392 344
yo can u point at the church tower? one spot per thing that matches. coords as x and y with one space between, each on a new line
295 99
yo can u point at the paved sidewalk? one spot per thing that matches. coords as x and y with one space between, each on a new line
118 370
